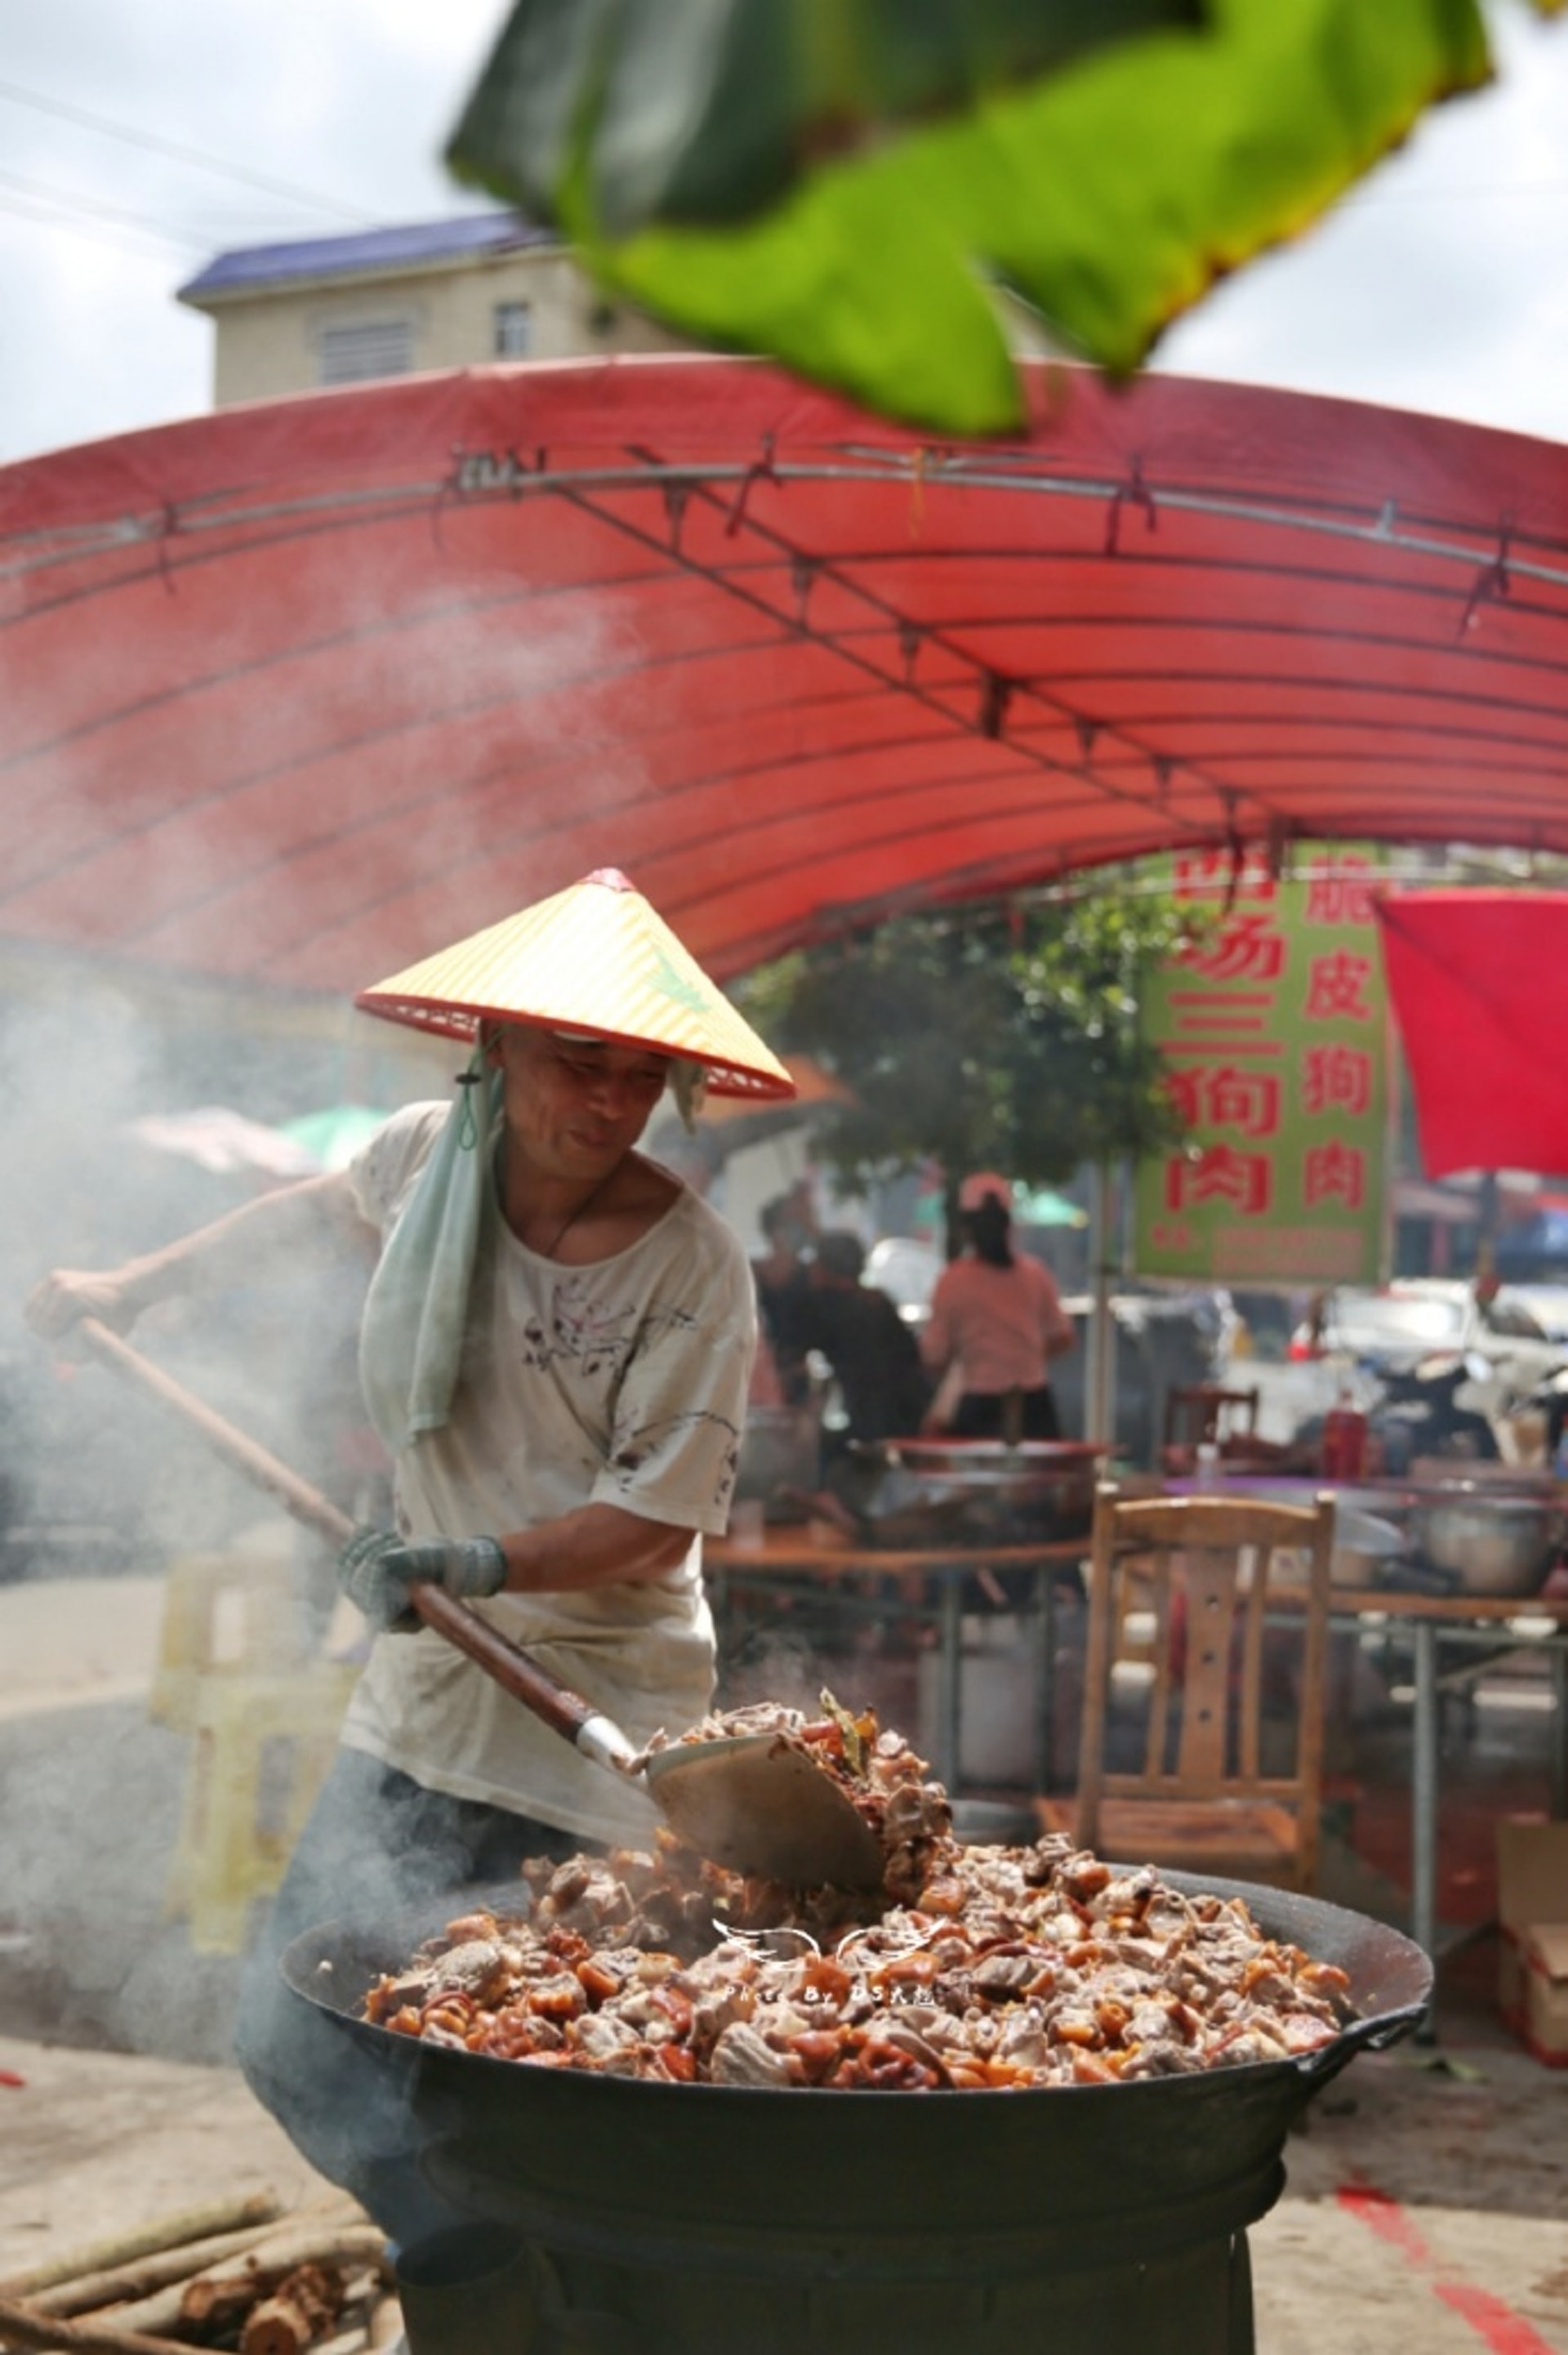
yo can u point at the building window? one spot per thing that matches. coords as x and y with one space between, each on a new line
370 347
513 330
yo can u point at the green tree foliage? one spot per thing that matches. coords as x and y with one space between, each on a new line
986 1038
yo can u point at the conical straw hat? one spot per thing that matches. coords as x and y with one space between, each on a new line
594 958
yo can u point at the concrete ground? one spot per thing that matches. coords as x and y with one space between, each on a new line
1426 2206
93 2144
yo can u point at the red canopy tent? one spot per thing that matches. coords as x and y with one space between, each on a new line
298 691
1479 983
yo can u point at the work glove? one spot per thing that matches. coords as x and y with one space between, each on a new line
378 1570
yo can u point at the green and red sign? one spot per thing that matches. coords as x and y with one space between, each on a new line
1276 1033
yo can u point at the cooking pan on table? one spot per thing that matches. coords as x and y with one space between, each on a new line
743 1800
722 2171
941 1491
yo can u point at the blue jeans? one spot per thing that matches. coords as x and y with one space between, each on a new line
377 1845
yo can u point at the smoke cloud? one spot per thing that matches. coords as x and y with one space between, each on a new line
101 1493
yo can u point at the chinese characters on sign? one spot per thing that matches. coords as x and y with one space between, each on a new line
1275 1032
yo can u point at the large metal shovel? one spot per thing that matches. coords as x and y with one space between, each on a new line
749 1802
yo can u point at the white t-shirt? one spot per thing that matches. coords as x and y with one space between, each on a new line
621 1383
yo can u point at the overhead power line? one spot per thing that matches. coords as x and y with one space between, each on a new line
64 200
179 154
135 244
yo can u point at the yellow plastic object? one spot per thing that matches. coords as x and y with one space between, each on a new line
262 1746
233 1610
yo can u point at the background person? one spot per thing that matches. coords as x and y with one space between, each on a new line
782 1275
874 1354
997 1317
555 1350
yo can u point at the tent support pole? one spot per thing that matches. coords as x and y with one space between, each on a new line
1099 1366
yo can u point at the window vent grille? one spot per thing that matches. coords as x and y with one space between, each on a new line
371 347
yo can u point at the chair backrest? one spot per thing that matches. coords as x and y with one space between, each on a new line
1199 1412
1233 1595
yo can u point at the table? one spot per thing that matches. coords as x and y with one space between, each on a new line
783 1551
1476 1620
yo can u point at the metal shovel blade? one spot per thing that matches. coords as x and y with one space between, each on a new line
756 1805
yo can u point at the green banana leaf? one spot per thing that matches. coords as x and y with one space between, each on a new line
702 112
844 185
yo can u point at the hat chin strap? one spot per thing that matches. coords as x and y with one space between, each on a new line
689 1086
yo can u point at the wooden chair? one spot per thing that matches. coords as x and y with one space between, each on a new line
1208 1414
1232 1711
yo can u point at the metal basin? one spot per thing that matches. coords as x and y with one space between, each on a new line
1368 1536
1491 1538
779 1458
934 1491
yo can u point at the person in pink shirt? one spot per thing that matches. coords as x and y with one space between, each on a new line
996 1317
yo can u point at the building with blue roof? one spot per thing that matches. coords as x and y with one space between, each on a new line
393 302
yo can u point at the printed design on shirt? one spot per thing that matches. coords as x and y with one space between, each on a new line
595 1337
632 1451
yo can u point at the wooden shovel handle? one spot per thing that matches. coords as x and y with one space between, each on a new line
561 1709
261 1469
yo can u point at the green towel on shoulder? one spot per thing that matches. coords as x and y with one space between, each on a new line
416 1313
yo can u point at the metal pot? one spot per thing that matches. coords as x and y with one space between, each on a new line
1366 1539
1491 1538
955 1491
780 1453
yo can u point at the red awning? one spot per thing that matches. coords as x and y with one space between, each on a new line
1479 983
300 690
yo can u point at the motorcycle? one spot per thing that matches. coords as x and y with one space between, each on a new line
1549 1399
1414 1413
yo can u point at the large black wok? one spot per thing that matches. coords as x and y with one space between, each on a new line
880 2186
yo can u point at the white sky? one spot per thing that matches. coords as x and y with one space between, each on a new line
1439 284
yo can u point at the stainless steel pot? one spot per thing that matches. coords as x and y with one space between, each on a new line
1367 1534
1493 1540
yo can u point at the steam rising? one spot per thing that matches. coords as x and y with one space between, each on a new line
100 1493
99 1489
93 1469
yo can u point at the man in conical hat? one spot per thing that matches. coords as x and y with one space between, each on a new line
557 1349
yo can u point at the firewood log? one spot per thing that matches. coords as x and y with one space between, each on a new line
188 2225
257 2275
298 2313
84 2293
386 2323
23 2326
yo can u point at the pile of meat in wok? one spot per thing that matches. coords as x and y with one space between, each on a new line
972 1967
